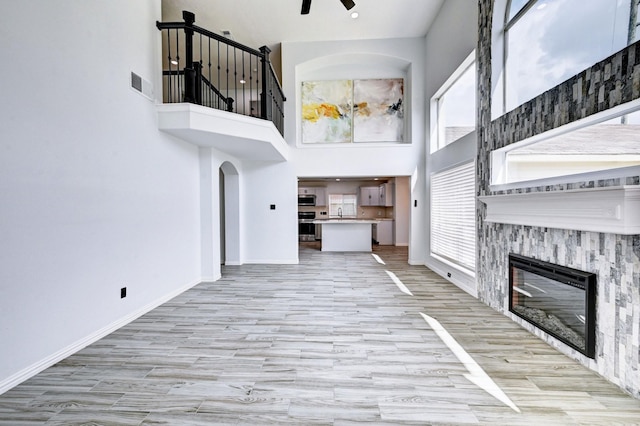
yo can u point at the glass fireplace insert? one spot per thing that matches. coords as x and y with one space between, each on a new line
559 300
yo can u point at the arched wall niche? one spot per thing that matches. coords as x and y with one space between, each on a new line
352 66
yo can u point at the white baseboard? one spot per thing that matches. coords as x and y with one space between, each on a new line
454 275
58 356
261 262
459 279
272 262
211 279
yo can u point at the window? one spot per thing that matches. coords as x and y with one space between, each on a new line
453 216
453 106
343 205
548 41
603 142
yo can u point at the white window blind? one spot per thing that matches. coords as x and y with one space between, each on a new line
342 205
453 213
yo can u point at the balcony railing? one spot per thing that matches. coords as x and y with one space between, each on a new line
205 68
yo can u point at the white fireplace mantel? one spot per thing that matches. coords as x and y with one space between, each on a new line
614 210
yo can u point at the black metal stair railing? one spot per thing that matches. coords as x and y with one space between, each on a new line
207 69
208 95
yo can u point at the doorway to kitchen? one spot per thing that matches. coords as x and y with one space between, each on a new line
383 201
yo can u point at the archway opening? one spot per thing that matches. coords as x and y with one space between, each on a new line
229 214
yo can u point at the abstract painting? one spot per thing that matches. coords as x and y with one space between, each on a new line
327 111
378 110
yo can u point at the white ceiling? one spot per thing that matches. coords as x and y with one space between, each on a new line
255 23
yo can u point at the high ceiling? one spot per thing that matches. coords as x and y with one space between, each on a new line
256 23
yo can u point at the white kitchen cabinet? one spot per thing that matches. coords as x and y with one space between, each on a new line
387 194
369 196
385 232
321 196
381 195
346 234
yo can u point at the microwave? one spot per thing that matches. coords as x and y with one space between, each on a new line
306 200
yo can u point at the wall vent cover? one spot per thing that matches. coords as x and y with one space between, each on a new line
141 86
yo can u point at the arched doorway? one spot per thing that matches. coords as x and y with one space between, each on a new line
229 214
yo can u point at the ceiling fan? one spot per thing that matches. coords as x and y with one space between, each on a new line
306 5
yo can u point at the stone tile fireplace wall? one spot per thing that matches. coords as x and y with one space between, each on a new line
614 258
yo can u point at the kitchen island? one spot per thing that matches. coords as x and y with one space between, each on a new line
346 234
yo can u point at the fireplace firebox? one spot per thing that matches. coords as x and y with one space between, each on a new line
560 301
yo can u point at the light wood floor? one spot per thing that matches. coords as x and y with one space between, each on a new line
332 340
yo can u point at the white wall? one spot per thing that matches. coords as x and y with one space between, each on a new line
269 236
92 197
452 37
362 59
403 209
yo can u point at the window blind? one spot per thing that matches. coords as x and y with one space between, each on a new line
453 215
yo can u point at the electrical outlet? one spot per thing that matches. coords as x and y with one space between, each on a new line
448 274
123 292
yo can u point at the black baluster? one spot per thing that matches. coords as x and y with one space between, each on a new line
251 109
227 70
235 73
199 84
264 96
168 95
244 97
219 69
179 80
209 74
189 70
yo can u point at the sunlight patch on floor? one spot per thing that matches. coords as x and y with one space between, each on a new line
476 374
399 283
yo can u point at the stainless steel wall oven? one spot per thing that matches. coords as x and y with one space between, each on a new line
306 227
306 200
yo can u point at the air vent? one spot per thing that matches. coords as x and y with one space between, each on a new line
142 86
136 82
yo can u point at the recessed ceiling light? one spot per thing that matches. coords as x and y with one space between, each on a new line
541 6
338 180
174 62
243 81
354 15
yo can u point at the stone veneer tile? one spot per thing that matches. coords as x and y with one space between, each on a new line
614 258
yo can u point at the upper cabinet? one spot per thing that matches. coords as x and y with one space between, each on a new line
381 195
387 194
321 197
369 196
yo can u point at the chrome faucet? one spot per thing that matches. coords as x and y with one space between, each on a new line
340 211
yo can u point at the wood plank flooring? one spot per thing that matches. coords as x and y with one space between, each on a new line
332 340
